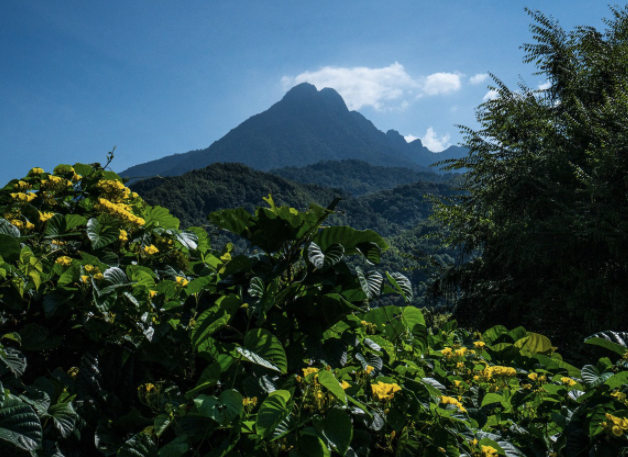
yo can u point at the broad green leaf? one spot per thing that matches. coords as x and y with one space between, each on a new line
411 316
156 216
370 282
223 409
213 319
56 226
19 425
534 344
492 334
613 341
13 360
175 448
73 221
266 345
6 228
233 220
188 240
101 235
9 248
329 381
592 376
338 430
140 445
402 284
271 412
349 238
64 418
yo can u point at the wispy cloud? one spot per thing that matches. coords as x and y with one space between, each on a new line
361 86
442 83
433 142
546 85
478 79
490 95
383 88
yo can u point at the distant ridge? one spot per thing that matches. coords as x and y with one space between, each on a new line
305 127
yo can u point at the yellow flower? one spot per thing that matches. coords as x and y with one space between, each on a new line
64 261
479 344
29 226
23 197
22 185
567 381
36 171
501 371
124 236
246 401
619 396
181 281
452 401
98 276
19 224
73 372
150 250
148 387
460 352
383 391
369 369
58 243
225 257
43 217
91 269
152 293
84 278
447 352
489 451
345 385
526 386
533 376
307 371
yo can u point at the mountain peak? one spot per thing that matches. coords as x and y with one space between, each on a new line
307 94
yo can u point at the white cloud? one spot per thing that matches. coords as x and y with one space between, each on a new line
410 138
546 85
381 88
442 83
361 86
491 95
478 79
432 142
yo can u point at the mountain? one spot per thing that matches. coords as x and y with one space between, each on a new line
305 127
357 177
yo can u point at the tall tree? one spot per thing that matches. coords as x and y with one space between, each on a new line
544 218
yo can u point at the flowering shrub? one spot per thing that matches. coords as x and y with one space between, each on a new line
123 335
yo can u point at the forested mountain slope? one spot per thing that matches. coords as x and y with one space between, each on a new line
305 127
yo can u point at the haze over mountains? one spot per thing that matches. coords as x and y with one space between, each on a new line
305 127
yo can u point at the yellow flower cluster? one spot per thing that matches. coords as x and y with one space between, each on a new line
181 281
619 396
568 381
453 401
479 344
499 371
22 225
451 353
383 391
489 451
249 402
23 197
46 216
615 425
119 210
55 183
310 370
114 190
64 261
22 185
535 377
36 171
124 236
150 250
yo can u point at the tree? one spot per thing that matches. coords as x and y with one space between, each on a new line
544 216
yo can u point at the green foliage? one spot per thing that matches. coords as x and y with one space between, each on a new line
153 345
543 213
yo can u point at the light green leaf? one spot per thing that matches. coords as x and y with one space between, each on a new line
329 381
272 412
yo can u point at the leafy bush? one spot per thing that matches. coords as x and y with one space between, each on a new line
122 334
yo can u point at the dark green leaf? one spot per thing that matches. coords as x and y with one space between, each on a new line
101 235
19 425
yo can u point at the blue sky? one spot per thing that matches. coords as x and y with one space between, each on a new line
154 78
